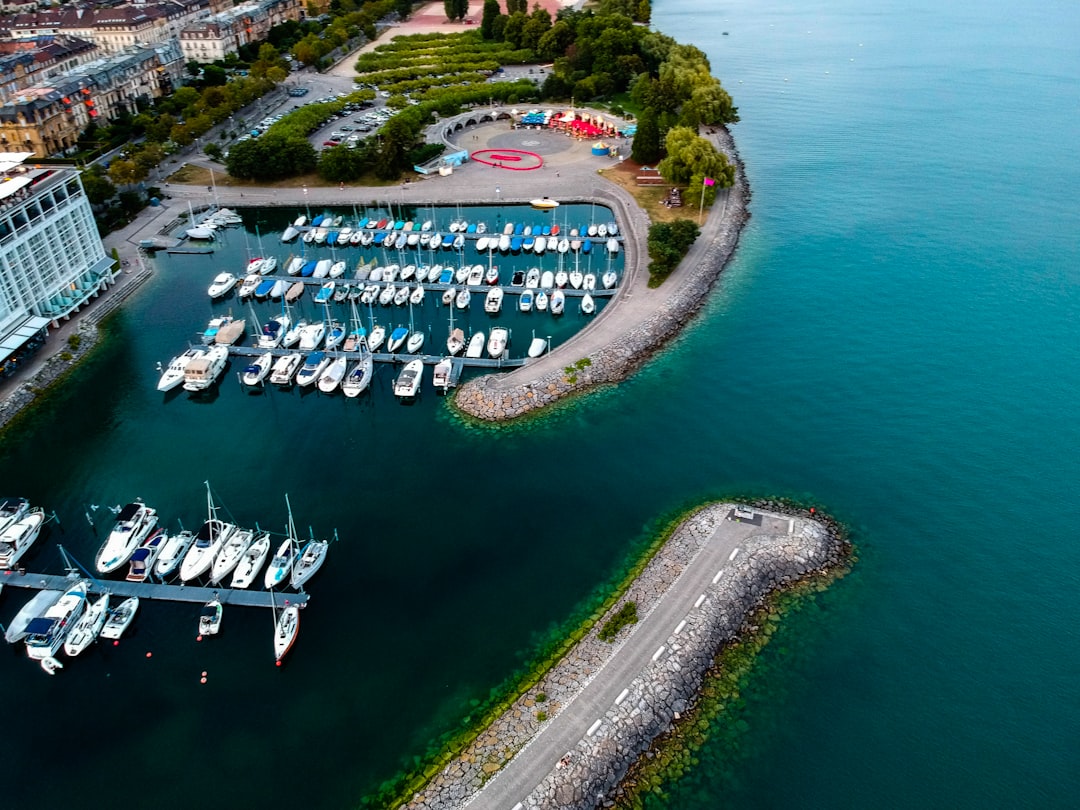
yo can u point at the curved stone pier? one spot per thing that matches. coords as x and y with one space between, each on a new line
639 322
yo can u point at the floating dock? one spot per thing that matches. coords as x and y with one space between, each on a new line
382 357
153 591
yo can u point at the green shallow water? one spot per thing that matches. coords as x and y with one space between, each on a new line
896 341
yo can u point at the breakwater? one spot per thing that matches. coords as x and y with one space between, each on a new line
783 548
632 339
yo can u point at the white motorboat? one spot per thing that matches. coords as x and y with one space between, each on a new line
413 239
540 245
12 510
294 265
210 618
248 285
541 302
576 277
504 243
200 234
461 300
209 541
476 346
359 378
423 272
601 230
415 342
273 332
476 275
285 367
609 279
525 301
401 296
442 373
416 297
41 601
46 633
310 560
133 525
448 296
314 365
331 378
613 246
561 277
497 340
292 336
537 347
370 294
311 336
202 372
532 278
592 229
387 295
222 283
17 537
229 555
281 564
251 562
142 561
335 335
254 266
120 618
588 282
588 305
300 221
376 338
564 245
290 233
547 280
408 271
322 268
319 235
481 244
256 372
344 235
456 341
459 241
268 266
408 381
173 375
461 275
481 227
285 631
558 302
86 629
337 269
172 553
494 300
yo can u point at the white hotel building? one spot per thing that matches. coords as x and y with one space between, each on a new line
51 257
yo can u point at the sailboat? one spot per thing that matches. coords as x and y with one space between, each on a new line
286 628
251 563
280 571
331 378
208 542
360 377
86 629
231 552
476 345
310 560
172 553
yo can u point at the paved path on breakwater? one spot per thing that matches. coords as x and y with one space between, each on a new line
558 736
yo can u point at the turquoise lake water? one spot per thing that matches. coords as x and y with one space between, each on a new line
895 341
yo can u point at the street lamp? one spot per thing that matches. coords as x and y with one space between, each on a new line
497 197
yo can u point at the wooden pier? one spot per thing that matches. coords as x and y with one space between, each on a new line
153 591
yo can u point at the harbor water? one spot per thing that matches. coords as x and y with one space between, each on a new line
895 341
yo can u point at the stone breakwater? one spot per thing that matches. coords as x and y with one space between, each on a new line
488 398
664 689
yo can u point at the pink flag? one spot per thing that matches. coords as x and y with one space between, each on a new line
709 181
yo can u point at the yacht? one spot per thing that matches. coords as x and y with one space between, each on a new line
311 558
539 245
203 372
332 377
268 266
13 510
251 563
558 302
443 370
293 266
173 375
415 342
456 341
448 297
576 277
273 331
119 618
311 336
481 244
249 285
322 268
231 552
561 277
416 297
16 538
462 298
525 301
142 561
494 300
496 345
547 280
222 283
476 346
387 295
46 633
401 296
284 368
408 382
172 553
210 618
537 347
256 372
86 629
133 525
476 275
359 378
335 335
209 540
286 630
564 245
281 565
532 278
230 333
313 367
588 282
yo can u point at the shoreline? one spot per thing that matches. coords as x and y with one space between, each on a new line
595 762
503 398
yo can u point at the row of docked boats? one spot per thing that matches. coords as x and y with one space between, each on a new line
20 526
197 368
206 228
217 550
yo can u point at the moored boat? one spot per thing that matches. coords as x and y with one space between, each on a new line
222 283
16 538
133 525
120 618
332 376
525 301
285 631
46 633
285 367
210 618
173 375
537 347
142 561
210 538
172 552
456 341
493 301
497 342
558 302
310 560
609 279
86 629
203 371
476 346
442 373
461 300
359 377
233 549
408 381
281 565
313 366
397 337
588 305
251 562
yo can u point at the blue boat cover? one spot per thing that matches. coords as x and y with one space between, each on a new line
40 626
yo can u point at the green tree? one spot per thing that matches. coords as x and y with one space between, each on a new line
99 190
491 11
213 150
643 11
538 24
646 148
214 75
514 30
397 140
517 6
555 41
126 172
456 9
691 158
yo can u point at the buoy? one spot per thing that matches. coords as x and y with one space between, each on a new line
116 643
202 680
811 510
198 637
149 655
277 663
204 673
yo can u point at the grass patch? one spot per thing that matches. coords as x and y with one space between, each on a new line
626 616
648 198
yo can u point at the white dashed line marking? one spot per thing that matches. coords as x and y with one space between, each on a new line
622 696
719 574
679 629
732 557
700 599
593 728
658 653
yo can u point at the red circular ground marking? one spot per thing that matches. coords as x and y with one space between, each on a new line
529 161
